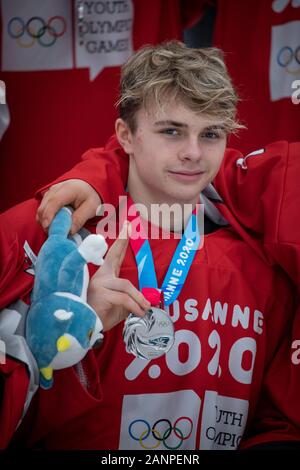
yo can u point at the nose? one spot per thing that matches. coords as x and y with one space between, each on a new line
191 150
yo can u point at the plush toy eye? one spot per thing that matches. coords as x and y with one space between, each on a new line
90 333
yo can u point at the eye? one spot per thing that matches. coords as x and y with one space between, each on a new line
170 131
211 135
90 334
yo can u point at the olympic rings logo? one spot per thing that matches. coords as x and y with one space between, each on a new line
36 28
162 431
286 55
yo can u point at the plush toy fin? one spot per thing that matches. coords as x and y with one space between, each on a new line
93 248
63 343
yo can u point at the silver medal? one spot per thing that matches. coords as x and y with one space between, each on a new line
151 336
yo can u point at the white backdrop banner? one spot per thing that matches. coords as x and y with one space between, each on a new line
103 34
36 35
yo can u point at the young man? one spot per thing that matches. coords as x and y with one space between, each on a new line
232 316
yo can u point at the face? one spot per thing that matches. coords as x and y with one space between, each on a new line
174 153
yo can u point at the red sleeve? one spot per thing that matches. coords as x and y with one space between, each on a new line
105 169
265 198
262 193
282 232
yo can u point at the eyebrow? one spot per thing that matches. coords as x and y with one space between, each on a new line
185 126
170 123
214 127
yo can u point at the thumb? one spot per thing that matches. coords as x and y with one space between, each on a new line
117 251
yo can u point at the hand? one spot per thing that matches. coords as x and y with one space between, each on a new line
78 194
111 297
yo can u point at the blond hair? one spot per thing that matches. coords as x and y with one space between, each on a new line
198 78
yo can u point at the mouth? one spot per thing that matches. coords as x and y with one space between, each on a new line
185 175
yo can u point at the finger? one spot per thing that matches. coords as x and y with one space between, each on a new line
55 200
117 251
126 287
43 217
41 208
48 194
119 299
86 210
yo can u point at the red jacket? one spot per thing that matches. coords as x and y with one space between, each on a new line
261 200
109 397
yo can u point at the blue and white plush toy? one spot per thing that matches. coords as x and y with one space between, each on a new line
61 327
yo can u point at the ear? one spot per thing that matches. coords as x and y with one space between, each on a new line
124 135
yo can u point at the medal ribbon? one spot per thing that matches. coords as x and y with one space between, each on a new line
180 263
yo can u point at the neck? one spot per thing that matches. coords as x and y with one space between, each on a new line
165 212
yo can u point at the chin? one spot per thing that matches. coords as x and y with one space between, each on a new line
190 189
